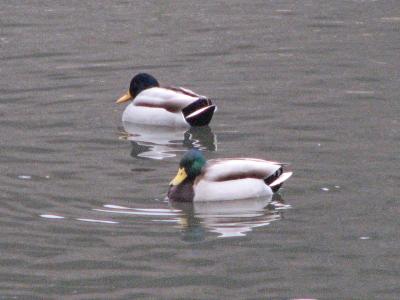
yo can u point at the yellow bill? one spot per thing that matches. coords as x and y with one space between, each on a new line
124 98
179 177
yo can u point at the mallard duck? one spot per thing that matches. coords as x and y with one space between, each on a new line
164 106
225 179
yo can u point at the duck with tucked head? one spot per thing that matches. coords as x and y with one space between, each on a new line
225 179
164 106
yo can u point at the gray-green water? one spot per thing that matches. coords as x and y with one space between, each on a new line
313 83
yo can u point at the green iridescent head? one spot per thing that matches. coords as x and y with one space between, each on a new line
189 167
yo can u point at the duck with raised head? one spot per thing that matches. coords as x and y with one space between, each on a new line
225 179
164 106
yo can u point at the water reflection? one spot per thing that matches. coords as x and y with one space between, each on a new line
161 142
234 218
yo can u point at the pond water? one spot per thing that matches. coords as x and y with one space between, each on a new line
312 83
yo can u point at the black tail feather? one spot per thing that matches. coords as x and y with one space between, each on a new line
203 117
270 179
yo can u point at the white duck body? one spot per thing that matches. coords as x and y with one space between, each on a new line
154 116
239 178
163 107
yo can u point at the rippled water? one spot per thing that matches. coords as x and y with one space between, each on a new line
83 210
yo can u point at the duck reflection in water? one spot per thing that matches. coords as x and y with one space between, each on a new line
233 218
160 142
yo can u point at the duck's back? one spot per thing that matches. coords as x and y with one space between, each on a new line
238 168
170 99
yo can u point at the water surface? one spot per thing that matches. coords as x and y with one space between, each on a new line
83 210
